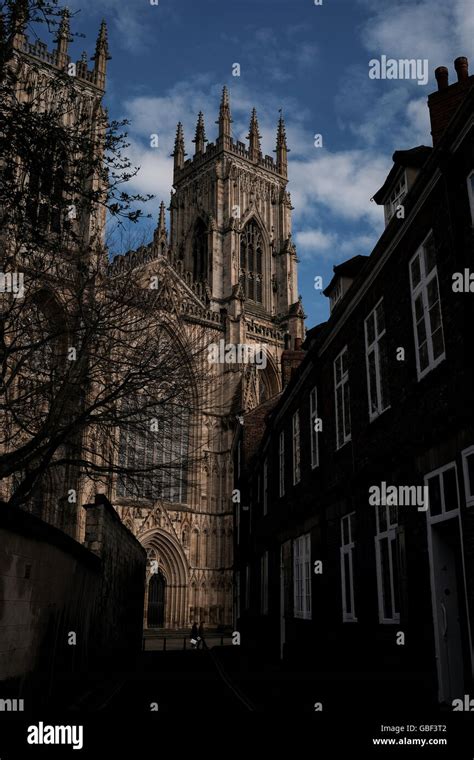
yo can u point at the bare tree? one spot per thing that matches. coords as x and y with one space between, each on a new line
98 370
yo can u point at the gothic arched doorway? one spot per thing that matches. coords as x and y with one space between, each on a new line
166 589
156 600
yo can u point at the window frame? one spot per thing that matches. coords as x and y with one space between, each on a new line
439 473
336 294
374 348
468 488
281 463
415 291
340 384
313 416
391 534
296 441
348 548
470 190
395 198
302 580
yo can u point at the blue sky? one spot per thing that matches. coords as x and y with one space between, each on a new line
171 60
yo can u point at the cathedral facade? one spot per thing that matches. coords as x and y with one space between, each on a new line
229 265
227 268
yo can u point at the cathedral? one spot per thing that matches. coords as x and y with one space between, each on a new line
228 266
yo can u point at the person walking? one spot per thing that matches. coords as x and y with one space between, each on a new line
201 638
194 636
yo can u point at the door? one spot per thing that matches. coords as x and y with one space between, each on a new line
447 595
156 601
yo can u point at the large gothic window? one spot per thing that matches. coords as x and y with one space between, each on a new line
251 262
200 251
153 457
45 192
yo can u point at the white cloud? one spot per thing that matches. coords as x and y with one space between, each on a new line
315 241
419 30
394 121
131 20
159 115
343 182
393 115
331 246
418 122
156 171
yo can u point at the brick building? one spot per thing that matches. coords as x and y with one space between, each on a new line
333 566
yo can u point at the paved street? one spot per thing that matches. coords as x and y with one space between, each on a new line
173 682
179 641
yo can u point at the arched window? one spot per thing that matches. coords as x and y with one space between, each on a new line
45 192
200 251
251 261
195 548
205 547
155 429
153 452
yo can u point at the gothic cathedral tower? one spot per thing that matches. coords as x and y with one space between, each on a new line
231 227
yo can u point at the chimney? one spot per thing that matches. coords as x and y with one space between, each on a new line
461 65
442 77
444 103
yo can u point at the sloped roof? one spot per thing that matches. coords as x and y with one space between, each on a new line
349 268
414 158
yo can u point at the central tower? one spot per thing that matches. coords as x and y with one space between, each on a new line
231 228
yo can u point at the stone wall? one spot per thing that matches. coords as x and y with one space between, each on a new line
48 588
63 605
121 595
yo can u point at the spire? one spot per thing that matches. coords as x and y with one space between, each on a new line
102 44
225 119
179 152
160 236
162 219
101 56
200 137
281 148
255 150
63 38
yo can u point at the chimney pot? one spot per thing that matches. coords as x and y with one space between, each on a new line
461 65
442 77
